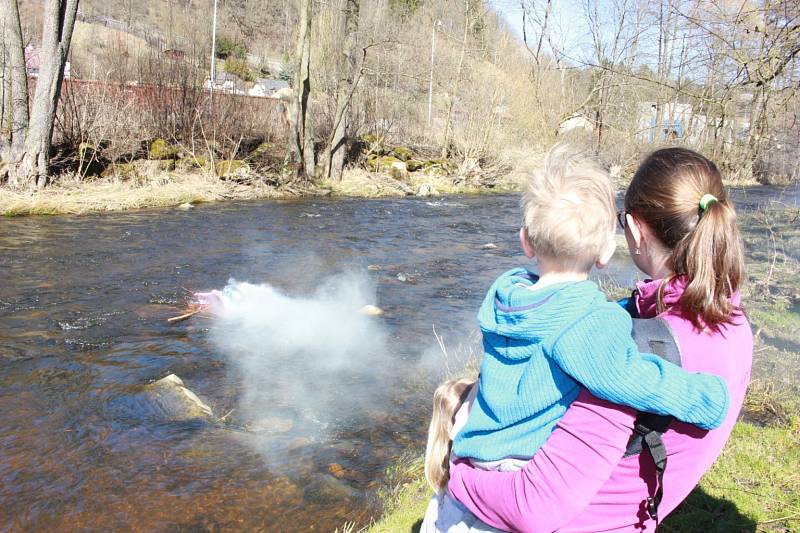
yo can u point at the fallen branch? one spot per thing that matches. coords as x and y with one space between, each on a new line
185 316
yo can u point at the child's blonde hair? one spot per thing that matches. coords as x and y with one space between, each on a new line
447 399
568 209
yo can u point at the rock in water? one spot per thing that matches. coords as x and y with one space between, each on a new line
185 206
371 310
427 190
172 400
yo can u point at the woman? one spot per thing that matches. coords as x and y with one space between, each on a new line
681 231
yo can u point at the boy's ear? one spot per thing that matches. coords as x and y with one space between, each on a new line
607 254
530 253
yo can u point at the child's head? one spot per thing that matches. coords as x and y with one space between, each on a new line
568 212
447 398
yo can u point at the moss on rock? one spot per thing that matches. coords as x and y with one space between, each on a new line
402 153
439 166
381 163
413 165
229 167
159 149
119 170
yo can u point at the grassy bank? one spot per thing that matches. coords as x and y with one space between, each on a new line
110 195
753 486
174 189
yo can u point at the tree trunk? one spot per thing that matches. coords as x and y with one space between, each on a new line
28 166
302 128
336 147
446 151
16 83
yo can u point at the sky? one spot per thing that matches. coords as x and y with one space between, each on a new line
567 21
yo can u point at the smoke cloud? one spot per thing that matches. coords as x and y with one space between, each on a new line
309 362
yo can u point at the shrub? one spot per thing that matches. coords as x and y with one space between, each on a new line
227 47
239 68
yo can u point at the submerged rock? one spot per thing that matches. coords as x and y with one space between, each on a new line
169 398
406 278
271 425
325 488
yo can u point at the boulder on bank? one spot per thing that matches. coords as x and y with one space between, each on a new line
381 163
119 170
427 190
439 167
402 153
230 167
159 149
398 170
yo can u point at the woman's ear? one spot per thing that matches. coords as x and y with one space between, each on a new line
632 227
525 241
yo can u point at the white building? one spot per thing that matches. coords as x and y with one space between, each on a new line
225 82
265 87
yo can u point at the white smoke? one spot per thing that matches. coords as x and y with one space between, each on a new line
313 359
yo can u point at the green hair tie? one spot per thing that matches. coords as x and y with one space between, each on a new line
706 200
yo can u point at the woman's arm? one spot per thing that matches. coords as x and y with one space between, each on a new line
560 480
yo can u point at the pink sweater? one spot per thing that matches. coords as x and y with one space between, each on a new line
578 481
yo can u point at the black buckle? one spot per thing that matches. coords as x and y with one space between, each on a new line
652 508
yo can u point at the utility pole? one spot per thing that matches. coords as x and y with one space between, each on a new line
213 52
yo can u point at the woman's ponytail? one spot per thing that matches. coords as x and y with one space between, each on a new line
679 194
711 258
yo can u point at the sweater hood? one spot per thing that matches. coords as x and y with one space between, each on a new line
512 309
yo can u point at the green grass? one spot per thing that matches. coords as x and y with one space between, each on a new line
405 499
753 486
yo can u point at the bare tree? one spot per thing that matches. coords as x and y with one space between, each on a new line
302 142
28 153
336 146
15 78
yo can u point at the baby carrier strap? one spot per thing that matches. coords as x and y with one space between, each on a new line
653 336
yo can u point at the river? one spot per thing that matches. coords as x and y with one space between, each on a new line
84 304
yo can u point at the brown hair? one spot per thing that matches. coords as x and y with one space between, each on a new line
446 400
705 245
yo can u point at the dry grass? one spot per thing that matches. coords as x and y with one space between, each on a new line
109 195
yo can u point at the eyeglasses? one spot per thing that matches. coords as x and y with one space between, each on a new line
621 214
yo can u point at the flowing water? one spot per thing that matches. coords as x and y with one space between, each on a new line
83 331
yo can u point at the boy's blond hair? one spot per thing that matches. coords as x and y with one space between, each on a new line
568 209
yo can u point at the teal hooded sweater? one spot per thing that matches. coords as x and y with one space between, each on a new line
540 346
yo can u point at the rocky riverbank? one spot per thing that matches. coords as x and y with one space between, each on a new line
171 176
